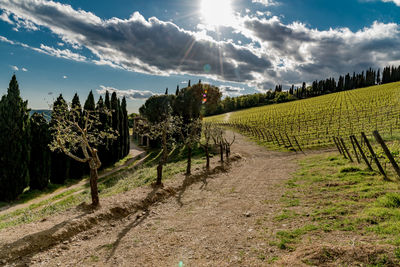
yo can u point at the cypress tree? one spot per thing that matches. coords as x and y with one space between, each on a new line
14 143
90 103
177 90
115 125
60 163
39 165
126 127
166 91
100 107
121 131
77 169
108 123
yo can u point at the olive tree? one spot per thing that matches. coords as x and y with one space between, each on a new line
74 132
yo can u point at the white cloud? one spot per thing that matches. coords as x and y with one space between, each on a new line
65 77
266 2
61 53
6 40
24 69
228 90
5 17
129 93
396 2
14 68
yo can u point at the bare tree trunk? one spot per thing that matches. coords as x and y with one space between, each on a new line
164 158
189 161
93 187
207 158
221 148
227 151
159 173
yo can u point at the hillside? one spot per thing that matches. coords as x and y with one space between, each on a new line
262 209
313 122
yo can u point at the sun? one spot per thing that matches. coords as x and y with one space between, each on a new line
217 12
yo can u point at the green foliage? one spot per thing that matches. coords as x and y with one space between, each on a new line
39 165
60 163
14 143
157 108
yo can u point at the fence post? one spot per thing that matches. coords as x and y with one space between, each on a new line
341 147
297 143
345 148
362 153
387 152
276 138
337 145
290 143
373 155
355 150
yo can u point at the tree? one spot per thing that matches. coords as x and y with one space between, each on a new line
39 164
126 127
14 143
89 103
77 169
207 132
115 126
59 162
190 134
161 125
70 137
121 131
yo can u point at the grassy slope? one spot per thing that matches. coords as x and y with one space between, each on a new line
119 182
331 200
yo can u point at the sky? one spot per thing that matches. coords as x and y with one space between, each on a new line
139 48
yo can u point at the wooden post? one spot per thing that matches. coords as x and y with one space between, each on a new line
345 149
276 138
379 139
362 153
373 154
355 150
297 143
337 145
283 140
290 143
341 147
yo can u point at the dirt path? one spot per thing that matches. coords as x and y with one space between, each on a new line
202 220
135 152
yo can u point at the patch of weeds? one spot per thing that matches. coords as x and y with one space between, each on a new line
390 200
291 236
272 259
94 258
349 169
286 214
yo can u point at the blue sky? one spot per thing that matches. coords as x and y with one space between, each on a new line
138 48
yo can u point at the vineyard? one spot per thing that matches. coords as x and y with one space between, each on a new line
311 123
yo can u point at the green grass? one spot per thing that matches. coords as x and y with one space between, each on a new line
328 194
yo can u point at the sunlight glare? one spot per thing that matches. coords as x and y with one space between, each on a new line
217 12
